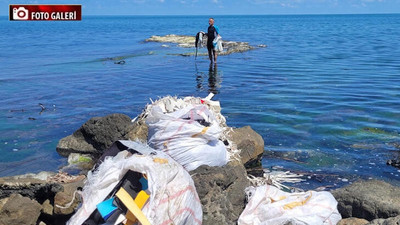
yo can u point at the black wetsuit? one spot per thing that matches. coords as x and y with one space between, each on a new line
211 34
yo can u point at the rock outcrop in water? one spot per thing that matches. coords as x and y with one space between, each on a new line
221 192
251 146
372 200
96 135
185 41
396 160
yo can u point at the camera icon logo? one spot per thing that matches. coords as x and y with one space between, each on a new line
20 14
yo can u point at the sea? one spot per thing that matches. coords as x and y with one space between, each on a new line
324 93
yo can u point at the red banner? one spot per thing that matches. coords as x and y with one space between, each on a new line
46 12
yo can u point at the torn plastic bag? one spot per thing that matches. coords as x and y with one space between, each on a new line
173 196
217 43
269 205
190 135
112 208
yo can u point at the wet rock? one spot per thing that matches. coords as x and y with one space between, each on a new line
75 143
368 200
40 176
366 146
20 210
47 216
96 135
76 158
139 131
47 208
235 47
122 62
353 221
251 145
2 202
29 186
221 192
66 201
79 163
394 162
173 38
388 221
185 41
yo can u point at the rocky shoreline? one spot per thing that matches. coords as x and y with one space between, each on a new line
50 198
185 41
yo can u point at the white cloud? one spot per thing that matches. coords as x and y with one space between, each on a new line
287 5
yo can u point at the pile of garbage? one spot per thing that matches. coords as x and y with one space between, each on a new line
134 182
186 170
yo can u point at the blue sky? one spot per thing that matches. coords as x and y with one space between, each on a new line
220 7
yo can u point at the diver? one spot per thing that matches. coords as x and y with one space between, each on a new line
212 33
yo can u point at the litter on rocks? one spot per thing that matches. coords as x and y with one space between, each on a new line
191 130
269 205
276 178
135 183
138 185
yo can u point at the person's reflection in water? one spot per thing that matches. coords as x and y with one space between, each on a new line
199 79
213 79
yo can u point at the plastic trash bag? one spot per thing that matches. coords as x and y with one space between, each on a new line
173 196
217 43
190 135
199 39
269 205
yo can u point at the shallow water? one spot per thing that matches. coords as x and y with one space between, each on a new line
324 94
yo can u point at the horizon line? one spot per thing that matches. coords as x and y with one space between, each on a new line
283 14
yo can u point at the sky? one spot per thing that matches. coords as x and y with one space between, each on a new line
220 7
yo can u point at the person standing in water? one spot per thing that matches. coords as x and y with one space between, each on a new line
212 33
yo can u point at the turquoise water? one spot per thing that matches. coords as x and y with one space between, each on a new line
324 94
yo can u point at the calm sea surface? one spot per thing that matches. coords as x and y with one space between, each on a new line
324 94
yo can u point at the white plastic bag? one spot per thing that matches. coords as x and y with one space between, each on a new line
269 205
219 46
217 42
173 196
189 135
